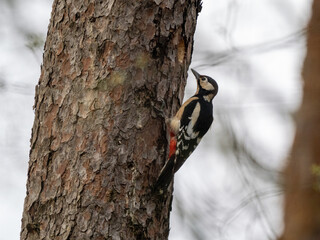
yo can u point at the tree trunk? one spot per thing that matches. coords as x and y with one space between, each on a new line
302 200
112 72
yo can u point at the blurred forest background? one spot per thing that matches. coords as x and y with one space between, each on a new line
231 188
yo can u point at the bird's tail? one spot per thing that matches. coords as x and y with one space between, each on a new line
166 174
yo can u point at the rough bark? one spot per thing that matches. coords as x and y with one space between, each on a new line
112 72
302 199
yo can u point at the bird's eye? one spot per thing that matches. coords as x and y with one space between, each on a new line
203 79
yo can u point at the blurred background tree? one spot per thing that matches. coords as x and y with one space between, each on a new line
302 176
232 185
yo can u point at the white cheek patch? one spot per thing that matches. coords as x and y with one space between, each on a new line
207 86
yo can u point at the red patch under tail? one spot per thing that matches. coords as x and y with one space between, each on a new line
173 144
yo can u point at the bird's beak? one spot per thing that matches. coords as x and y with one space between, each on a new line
197 75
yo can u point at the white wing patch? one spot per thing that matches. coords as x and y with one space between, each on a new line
193 119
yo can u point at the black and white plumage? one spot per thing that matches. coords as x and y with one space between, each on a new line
188 126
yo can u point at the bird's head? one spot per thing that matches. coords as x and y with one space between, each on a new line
206 85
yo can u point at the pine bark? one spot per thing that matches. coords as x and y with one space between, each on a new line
112 72
302 196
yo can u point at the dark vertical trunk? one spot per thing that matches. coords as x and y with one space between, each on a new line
302 199
112 72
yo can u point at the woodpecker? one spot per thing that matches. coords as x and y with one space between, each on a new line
188 126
